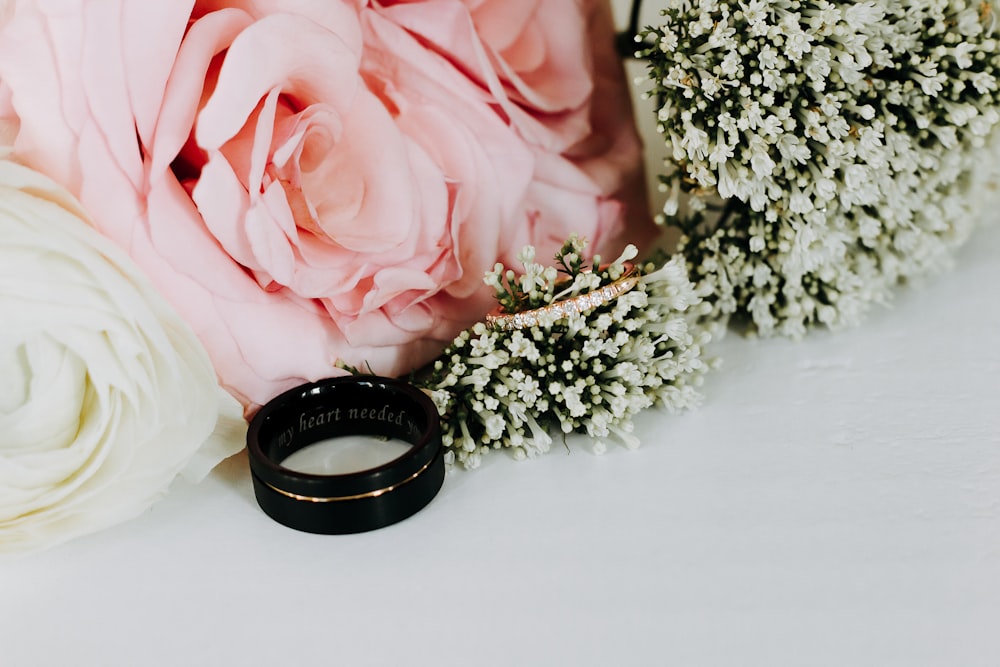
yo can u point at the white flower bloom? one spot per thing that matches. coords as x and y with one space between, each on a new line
591 348
107 395
495 426
529 390
969 22
482 345
962 54
668 41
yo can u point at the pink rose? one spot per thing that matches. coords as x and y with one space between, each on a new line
532 55
306 182
563 88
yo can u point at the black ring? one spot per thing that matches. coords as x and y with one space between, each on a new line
353 502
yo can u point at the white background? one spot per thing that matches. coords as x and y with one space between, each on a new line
834 502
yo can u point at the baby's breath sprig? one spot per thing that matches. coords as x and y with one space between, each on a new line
586 372
840 136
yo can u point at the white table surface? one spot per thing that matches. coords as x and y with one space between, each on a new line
834 502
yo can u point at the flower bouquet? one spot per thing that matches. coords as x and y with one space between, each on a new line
584 354
308 185
257 194
826 150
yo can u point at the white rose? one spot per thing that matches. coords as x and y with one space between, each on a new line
105 394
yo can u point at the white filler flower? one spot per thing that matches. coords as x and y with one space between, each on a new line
846 139
105 394
584 369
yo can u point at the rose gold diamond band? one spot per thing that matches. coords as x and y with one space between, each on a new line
558 310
